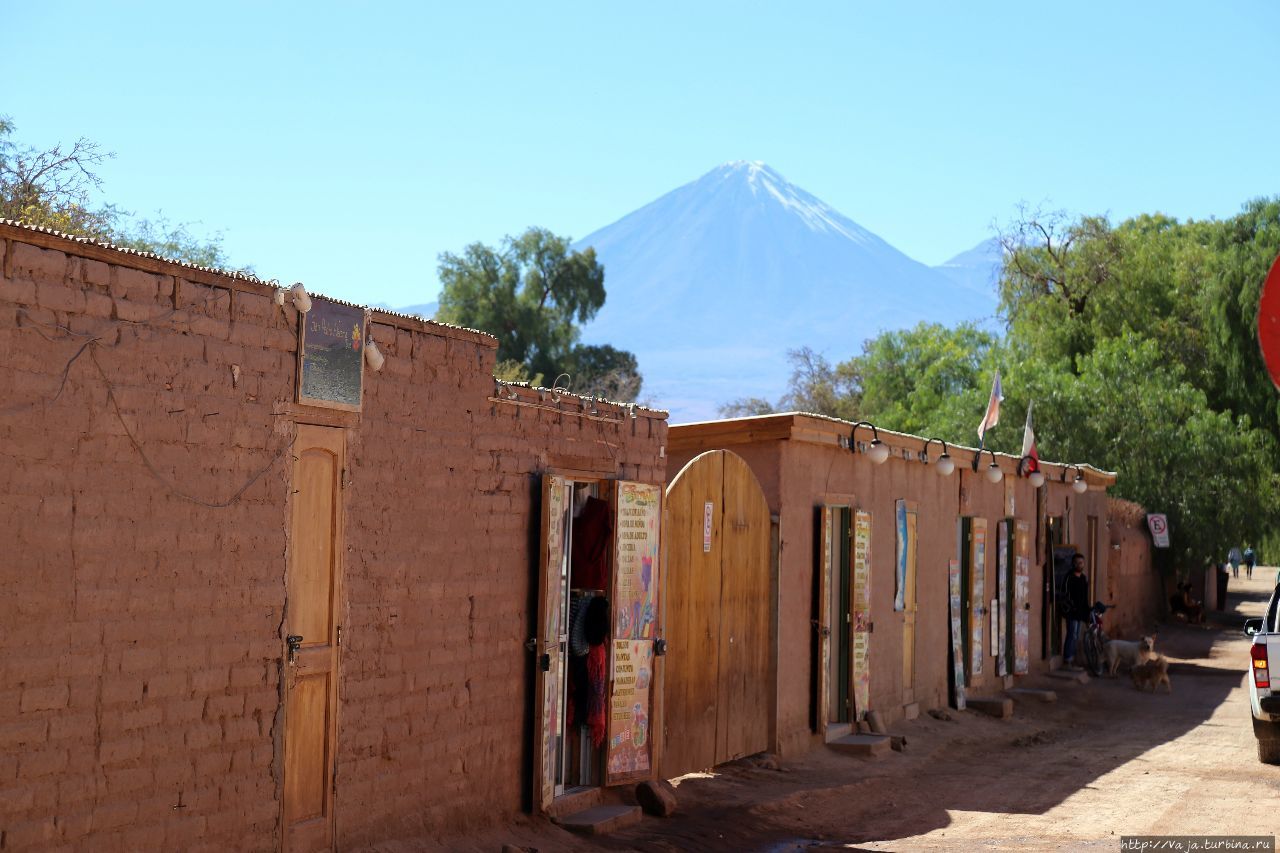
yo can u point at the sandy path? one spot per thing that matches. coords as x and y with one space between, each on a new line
1103 761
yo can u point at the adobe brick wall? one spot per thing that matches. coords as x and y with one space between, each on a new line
442 510
140 661
1134 584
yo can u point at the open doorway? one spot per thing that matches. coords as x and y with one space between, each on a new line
598 623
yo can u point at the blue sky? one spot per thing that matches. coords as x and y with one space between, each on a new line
347 146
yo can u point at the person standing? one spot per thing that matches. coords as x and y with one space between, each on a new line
1234 558
1077 609
1249 559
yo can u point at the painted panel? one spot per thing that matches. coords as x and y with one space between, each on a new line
977 592
1022 599
629 751
957 635
861 613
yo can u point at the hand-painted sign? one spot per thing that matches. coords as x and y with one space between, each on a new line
635 590
629 734
331 355
708 513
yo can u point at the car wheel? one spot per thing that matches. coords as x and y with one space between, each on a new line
1268 735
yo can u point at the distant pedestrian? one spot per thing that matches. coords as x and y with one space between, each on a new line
1077 609
1234 558
1249 559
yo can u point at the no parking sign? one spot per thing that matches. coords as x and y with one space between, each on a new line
1158 524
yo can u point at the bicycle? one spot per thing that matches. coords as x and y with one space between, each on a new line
1094 641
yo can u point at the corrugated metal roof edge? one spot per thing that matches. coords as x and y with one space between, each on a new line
235 275
746 423
542 390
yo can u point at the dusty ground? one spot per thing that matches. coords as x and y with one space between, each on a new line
1101 762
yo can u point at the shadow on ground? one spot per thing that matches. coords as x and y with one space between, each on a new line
1024 766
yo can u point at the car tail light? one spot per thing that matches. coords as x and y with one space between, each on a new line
1261 678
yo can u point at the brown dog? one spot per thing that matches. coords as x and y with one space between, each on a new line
1154 673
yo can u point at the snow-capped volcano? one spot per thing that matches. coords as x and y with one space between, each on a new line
712 283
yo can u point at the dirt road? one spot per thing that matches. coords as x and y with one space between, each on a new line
1103 761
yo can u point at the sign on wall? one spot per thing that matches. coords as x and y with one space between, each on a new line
331 355
1158 524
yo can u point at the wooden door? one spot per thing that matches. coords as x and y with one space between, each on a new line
833 618
1000 614
691 691
312 631
551 637
717 677
745 607
907 519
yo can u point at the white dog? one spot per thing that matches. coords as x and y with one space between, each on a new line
1129 652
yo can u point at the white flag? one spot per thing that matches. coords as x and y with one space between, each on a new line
992 417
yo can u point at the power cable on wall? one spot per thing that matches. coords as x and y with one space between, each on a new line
94 341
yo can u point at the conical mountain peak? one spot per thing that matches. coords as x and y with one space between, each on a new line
712 283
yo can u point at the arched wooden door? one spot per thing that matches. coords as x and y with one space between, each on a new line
718 605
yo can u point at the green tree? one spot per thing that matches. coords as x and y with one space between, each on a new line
1136 342
56 188
532 294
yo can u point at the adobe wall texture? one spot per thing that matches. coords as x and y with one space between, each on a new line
140 662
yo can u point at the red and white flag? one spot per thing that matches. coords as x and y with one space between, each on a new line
1029 446
992 417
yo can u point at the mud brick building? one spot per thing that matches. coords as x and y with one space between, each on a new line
169 511
858 597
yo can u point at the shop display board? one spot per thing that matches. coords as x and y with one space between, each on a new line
637 551
861 613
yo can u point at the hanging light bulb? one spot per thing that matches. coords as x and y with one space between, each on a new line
1037 479
994 474
1079 485
945 464
877 451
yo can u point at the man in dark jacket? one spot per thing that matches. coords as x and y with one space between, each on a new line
1077 610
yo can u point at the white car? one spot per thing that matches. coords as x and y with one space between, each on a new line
1264 679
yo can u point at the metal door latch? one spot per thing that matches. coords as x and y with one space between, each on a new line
544 663
659 648
294 641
